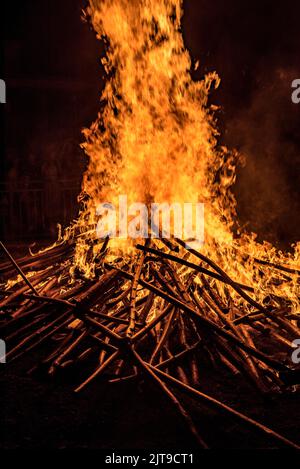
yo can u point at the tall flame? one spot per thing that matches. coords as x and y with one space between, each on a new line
155 139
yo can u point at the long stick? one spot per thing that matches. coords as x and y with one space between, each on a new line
132 313
231 282
98 371
212 402
19 270
196 267
149 371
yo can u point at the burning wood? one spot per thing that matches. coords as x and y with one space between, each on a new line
157 310
158 318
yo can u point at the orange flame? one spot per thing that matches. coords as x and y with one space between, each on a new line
156 140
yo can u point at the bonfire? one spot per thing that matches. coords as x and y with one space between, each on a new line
156 308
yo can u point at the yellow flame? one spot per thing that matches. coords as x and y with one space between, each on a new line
155 139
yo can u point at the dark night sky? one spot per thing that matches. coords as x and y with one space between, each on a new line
54 80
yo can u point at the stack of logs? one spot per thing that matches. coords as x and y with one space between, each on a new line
146 318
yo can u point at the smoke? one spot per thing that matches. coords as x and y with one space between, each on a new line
254 47
266 132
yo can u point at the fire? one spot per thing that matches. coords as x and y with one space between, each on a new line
155 139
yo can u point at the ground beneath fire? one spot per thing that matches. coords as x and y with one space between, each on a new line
39 413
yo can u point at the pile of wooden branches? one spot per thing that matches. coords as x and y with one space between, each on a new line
148 318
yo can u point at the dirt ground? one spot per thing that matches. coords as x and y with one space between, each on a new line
45 413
